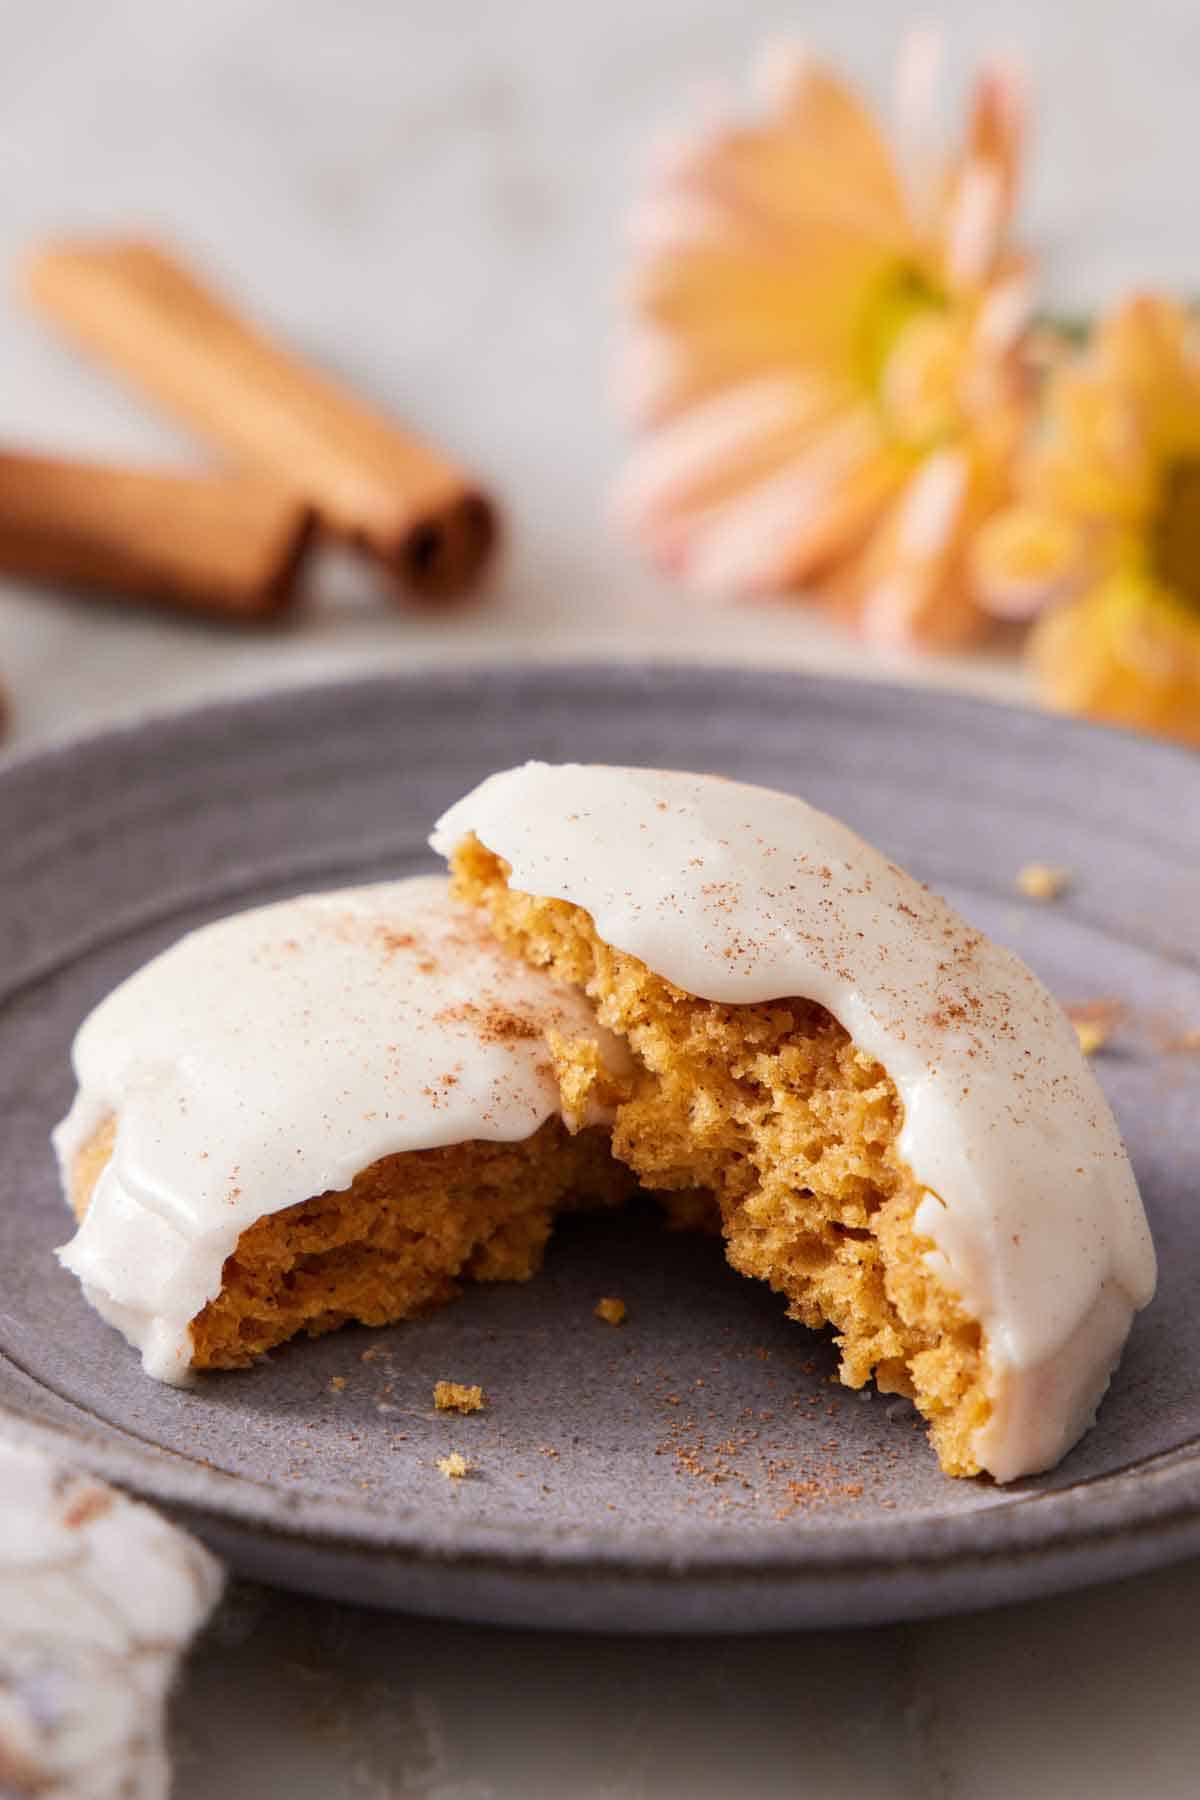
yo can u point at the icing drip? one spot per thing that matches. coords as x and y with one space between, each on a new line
275 1055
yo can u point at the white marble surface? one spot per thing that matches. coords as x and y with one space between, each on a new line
428 196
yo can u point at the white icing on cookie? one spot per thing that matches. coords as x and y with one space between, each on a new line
738 894
99 1598
273 1056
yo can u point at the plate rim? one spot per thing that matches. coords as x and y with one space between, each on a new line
1086 1513
18 758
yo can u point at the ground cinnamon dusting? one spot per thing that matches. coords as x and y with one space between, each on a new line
493 1024
396 940
755 1466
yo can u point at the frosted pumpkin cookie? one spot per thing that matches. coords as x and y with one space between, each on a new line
333 1108
895 1115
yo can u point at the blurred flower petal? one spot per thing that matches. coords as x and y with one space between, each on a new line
692 460
1004 314
1027 559
923 535
997 127
669 221
830 379
1106 535
1125 657
774 533
974 225
919 150
816 123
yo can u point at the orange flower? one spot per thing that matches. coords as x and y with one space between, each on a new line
1106 534
824 352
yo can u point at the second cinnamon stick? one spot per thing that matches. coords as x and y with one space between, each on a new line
141 310
228 546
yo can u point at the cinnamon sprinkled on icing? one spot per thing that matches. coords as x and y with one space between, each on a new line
275 1055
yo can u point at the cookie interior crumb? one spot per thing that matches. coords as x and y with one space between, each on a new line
1041 881
405 1236
454 1466
611 1310
458 1396
772 1108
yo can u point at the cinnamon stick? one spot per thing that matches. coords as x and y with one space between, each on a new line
224 545
136 307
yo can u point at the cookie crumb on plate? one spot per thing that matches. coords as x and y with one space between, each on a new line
457 1396
1040 881
1094 1022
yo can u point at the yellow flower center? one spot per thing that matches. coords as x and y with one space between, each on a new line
904 293
909 353
1175 532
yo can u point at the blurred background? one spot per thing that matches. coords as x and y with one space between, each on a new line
429 199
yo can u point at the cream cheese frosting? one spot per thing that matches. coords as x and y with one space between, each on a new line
273 1056
99 1599
738 894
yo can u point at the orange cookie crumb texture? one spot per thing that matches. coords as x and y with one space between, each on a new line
457 1396
405 1236
894 1116
773 1109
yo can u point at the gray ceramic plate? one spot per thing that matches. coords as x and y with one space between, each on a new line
695 1468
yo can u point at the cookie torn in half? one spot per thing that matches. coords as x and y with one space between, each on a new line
892 1111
